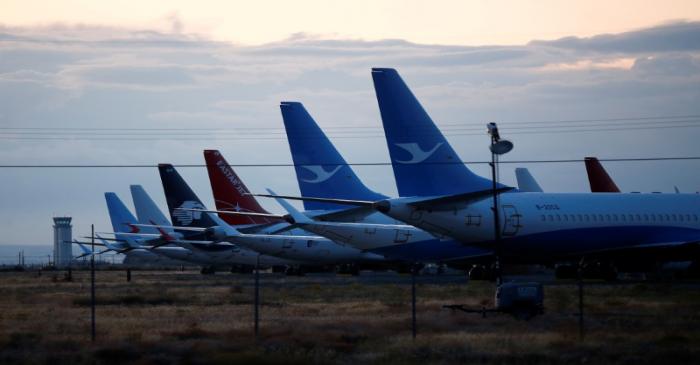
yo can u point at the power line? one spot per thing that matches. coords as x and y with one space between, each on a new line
370 134
149 132
476 124
642 159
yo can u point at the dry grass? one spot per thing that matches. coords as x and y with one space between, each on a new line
173 317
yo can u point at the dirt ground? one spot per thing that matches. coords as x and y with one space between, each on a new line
164 317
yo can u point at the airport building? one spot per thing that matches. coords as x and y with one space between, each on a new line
62 237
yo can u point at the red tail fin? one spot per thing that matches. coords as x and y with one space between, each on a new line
598 178
229 192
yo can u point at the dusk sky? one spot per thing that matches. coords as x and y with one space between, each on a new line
204 74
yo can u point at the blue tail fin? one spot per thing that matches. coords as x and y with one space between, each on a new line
179 195
321 170
424 162
147 212
122 219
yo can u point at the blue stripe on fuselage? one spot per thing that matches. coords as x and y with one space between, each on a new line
569 241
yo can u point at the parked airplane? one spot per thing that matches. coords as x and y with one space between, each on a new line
128 235
188 211
312 151
534 226
208 251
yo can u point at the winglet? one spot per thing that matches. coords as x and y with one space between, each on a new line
296 215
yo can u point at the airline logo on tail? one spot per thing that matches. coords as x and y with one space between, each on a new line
417 154
185 217
321 174
226 170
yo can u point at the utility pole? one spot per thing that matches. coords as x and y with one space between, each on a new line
92 285
257 298
498 147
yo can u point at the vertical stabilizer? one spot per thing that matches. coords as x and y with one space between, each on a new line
230 193
122 219
598 178
179 195
321 170
424 162
147 211
526 182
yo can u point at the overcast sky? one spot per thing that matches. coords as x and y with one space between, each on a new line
186 67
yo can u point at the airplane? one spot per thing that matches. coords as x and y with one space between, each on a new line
208 251
189 213
130 236
535 227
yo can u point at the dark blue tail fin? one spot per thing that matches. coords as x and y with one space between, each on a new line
179 195
321 170
424 162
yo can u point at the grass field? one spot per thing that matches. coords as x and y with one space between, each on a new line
184 317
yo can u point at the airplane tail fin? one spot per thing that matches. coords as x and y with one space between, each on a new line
230 193
598 178
321 170
122 219
424 162
526 182
179 195
147 211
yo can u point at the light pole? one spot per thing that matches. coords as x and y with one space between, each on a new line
498 147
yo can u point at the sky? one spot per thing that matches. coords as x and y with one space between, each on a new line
212 74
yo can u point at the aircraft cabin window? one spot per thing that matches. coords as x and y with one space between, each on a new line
624 217
580 218
668 218
607 217
687 217
558 218
550 217
572 218
587 217
594 217
631 217
673 216
544 218
646 218
695 217
653 218
600 217
614 217
638 217
680 217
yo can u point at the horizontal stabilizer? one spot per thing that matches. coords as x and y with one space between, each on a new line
435 203
194 229
233 212
359 203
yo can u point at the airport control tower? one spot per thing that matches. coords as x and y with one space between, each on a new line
62 237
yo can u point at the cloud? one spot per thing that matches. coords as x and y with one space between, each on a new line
672 37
